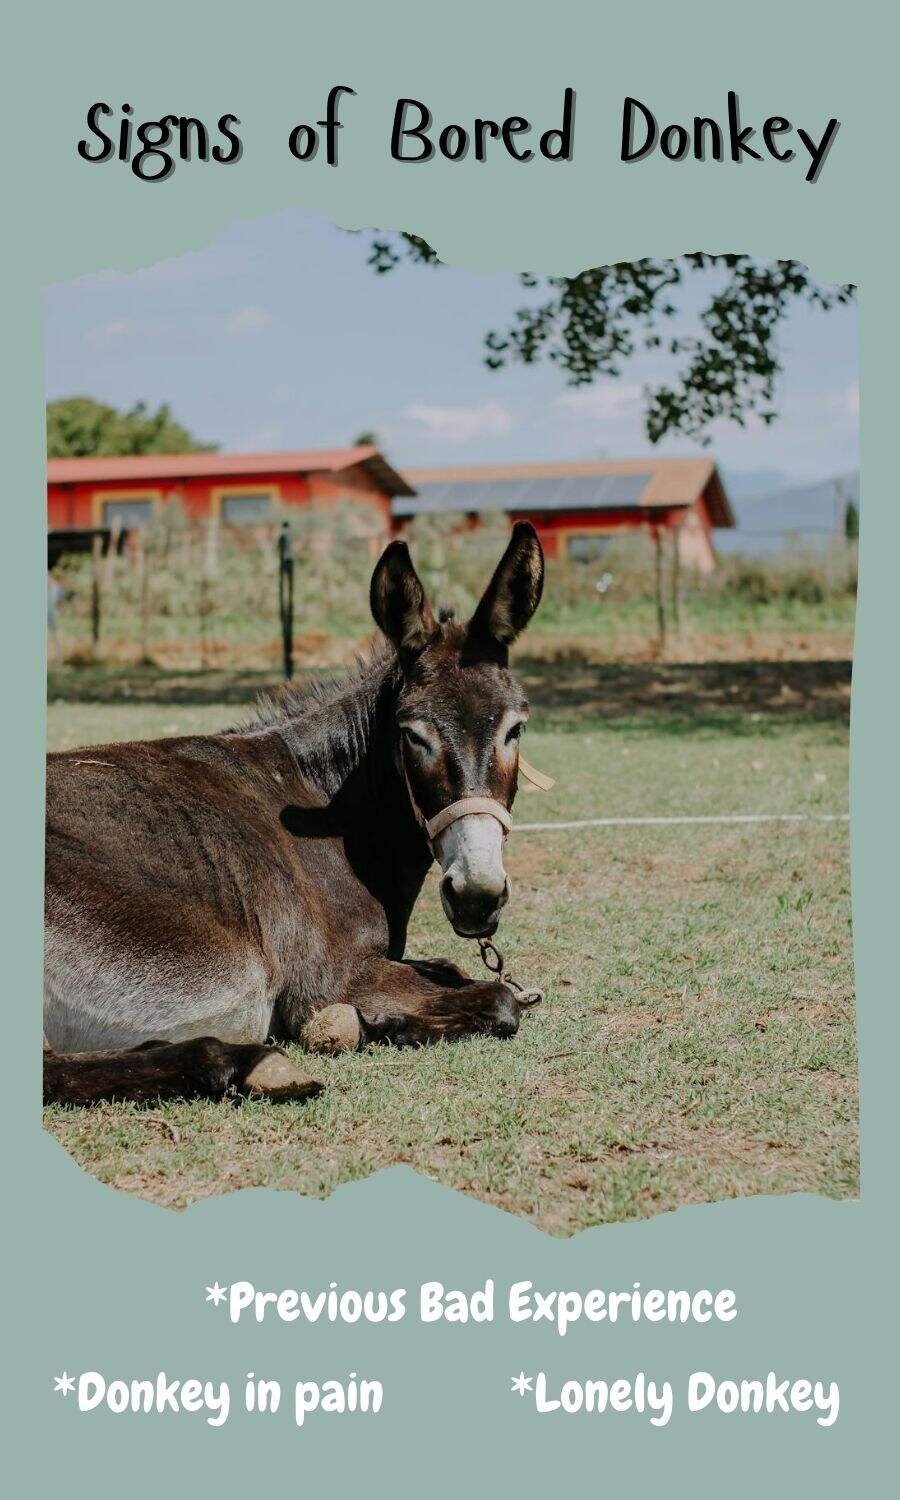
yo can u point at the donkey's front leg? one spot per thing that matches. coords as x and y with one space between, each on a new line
440 971
400 1003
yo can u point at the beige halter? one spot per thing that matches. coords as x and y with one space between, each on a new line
470 807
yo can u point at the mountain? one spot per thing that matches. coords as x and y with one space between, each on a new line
771 518
750 484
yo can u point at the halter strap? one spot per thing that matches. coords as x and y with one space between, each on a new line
467 807
536 777
470 807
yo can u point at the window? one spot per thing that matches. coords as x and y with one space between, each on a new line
586 546
127 514
246 510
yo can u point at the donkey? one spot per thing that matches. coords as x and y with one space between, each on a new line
207 896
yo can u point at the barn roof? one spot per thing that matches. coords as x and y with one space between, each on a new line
148 467
595 484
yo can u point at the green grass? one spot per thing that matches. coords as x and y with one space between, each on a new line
697 1038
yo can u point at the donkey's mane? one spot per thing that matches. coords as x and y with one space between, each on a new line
330 724
343 690
290 701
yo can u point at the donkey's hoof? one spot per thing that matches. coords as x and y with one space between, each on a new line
334 1029
275 1077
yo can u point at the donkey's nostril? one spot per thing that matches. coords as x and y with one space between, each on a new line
488 894
474 912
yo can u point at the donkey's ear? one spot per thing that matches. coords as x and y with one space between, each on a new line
514 592
398 601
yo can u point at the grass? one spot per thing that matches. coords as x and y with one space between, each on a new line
697 1038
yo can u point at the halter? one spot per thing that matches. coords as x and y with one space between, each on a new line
471 807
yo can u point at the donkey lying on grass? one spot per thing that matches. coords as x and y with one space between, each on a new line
206 893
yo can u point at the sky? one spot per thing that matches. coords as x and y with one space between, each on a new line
279 336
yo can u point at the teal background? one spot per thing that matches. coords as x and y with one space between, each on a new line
100 1280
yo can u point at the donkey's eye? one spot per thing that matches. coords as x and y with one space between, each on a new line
418 741
515 733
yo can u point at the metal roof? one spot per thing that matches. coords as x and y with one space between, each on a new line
598 484
571 492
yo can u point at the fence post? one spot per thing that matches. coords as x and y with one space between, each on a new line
142 560
286 597
660 599
115 532
209 543
96 559
676 580
211 557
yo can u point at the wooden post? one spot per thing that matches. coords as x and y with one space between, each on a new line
204 610
111 553
676 581
142 559
207 573
286 598
96 591
660 599
212 547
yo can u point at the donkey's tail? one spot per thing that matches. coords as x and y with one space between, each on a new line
201 1068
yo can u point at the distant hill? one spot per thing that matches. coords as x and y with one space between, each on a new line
771 514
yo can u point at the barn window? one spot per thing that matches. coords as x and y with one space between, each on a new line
126 514
586 546
249 509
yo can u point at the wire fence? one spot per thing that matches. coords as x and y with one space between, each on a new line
186 593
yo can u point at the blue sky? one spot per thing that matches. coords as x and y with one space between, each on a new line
279 336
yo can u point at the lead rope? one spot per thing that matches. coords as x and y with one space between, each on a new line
492 959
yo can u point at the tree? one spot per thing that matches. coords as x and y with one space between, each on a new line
79 427
590 324
366 440
851 521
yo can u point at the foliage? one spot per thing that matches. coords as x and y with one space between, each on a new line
802 577
851 521
80 427
590 324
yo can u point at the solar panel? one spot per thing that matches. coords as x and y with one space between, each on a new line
538 493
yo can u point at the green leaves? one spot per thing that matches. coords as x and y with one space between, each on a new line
79 427
591 324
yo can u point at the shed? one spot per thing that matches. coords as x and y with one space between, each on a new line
240 489
578 507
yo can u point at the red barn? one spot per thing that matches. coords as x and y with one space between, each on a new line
577 507
239 488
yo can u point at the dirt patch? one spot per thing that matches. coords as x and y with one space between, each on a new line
694 646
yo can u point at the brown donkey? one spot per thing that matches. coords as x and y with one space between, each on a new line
205 894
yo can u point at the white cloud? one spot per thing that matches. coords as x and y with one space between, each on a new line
249 320
844 404
261 440
460 424
612 401
118 330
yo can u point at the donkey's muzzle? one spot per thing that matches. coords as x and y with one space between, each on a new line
473 912
505 1016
